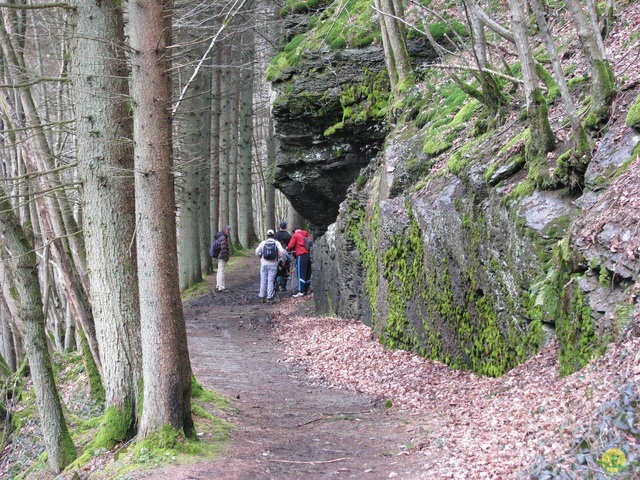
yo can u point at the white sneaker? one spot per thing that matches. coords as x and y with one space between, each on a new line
298 294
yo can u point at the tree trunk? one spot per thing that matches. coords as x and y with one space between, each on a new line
246 234
37 155
581 147
165 356
393 39
542 138
105 158
602 79
8 342
191 154
216 132
225 127
233 146
270 191
20 259
492 96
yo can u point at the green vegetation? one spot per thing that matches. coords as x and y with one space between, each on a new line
423 300
361 227
364 102
633 115
297 6
558 299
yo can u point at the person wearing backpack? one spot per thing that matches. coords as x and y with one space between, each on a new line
284 265
300 244
269 251
220 251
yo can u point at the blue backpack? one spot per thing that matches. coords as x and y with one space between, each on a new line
270 250
214 251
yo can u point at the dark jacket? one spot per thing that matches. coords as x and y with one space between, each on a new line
283 237
224 246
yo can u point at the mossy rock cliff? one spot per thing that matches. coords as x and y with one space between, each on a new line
437 232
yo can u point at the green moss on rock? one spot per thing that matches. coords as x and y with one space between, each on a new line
633 115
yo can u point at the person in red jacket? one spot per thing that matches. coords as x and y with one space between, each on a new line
299 245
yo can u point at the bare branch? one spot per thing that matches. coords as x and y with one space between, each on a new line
35 82
235 8
36 7
475 69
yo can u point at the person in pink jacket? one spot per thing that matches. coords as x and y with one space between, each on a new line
300 246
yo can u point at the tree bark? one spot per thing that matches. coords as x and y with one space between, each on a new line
233 145
393 39
214 177
191 154
8 341
105 158
542 138
580 141
246 233
165 356
225 127
602 79
20 259
37 156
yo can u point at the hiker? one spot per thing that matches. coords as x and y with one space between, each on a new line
284 265
220 250
300 245
269 251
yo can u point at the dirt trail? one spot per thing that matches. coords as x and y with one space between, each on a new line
287 427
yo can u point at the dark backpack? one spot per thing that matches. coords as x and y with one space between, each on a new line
214 251
308 243
270 250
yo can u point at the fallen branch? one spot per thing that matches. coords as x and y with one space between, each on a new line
312 462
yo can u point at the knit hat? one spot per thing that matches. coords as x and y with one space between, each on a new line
270 233
283 225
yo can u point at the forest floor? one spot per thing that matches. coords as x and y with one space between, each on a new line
286 425
318 398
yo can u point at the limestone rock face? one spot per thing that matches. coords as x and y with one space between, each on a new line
459 271
313 169
329 122
477 269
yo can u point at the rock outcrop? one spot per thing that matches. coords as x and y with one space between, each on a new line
472 275
329 123
477 269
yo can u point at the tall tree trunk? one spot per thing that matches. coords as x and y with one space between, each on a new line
603 82
542 138
37 155
20 258
581 147
165 356
105 158
246 233
233 145
225 134
270 190
393 39
191 154
214 177
204 203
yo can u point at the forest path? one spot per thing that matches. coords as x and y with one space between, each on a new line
286 426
